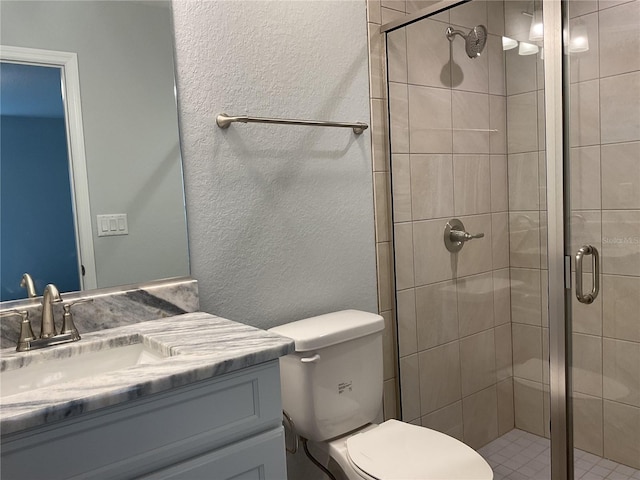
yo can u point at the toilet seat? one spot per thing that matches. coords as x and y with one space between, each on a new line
397 450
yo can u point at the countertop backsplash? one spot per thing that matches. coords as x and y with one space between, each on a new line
111 307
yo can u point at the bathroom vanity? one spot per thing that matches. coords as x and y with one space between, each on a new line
197 397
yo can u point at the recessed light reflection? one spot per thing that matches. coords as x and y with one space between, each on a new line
527 49
536 31
579 41
509 43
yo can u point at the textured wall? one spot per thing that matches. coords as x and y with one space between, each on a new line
280 217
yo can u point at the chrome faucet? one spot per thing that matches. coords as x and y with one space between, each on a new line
27 283
48 335
50 296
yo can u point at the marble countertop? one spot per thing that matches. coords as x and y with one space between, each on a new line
198 346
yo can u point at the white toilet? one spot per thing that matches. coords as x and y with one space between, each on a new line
332 390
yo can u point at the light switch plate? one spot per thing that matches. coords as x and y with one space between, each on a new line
113 224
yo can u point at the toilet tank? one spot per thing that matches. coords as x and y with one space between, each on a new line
332 383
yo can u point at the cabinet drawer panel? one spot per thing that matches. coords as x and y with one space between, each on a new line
146 434
259 458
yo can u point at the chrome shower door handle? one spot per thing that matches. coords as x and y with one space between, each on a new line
595 262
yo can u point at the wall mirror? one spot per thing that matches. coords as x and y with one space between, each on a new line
108 135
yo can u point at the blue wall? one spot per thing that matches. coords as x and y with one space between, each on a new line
37 233
36 221
30 90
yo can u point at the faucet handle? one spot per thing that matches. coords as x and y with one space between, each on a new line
68 327
76 302
26 332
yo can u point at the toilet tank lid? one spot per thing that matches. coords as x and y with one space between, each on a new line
330 329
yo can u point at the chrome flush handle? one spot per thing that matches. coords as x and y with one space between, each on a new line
313 359
595 262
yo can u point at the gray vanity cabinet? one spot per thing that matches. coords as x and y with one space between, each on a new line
256 458
225 427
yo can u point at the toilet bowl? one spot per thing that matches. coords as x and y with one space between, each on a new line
332 391
395 450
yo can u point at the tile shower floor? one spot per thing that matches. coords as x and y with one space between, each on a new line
520 455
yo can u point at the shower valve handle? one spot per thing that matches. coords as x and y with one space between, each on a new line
455 235
458 236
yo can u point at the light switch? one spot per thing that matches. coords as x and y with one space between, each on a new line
113 224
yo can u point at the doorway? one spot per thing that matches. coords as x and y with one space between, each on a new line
34 171
73 244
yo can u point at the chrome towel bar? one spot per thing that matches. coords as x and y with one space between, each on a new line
223 120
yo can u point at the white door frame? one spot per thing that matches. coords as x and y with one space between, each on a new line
68 64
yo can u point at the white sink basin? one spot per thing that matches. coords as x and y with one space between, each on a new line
87 364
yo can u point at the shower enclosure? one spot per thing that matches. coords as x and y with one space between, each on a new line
525 135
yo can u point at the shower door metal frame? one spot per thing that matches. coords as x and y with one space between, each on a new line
556 92
556 95
440 6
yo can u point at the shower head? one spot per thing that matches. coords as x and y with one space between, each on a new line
474 41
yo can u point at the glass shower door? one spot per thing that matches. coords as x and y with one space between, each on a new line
604 170
468 153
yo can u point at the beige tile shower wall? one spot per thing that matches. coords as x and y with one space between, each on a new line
527 224
605 199
381 12
448 143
